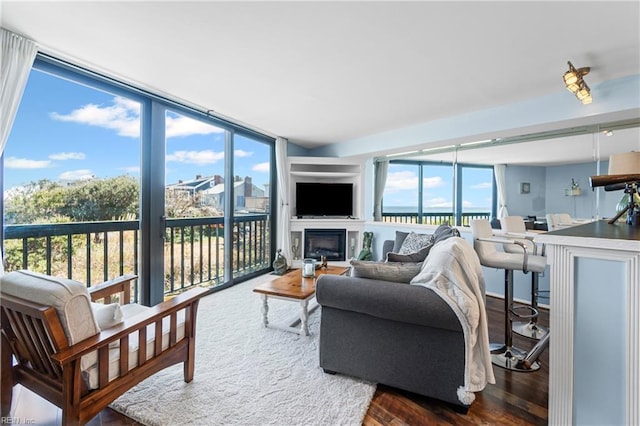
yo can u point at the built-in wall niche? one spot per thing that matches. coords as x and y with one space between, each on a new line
329 171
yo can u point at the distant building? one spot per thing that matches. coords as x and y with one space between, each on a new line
210 191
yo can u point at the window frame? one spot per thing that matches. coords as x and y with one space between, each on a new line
457 185
152 167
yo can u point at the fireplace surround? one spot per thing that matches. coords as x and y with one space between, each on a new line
325 242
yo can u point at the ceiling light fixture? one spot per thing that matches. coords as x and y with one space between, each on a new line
575 83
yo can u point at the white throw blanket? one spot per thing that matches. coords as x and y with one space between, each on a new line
453 271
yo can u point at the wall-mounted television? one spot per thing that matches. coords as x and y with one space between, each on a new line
324 199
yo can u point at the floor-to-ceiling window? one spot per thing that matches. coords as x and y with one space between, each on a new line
100 173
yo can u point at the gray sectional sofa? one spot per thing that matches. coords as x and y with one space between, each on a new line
401 335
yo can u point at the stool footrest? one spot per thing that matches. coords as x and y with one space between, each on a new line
534 311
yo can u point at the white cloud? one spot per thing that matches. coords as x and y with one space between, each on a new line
482 185
123 116
82 174
438 202
467 203
240 153
25 163
185 126
400 181
432 182
196 157
261 167
68 156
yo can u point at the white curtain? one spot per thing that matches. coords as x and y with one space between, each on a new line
17 58
380 180
284 212
18 55
500 172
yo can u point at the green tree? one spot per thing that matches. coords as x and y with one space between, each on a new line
35 202
102 199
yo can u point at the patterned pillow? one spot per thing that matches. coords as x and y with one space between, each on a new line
394 271
415 242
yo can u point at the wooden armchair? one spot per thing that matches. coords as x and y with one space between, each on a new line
72 362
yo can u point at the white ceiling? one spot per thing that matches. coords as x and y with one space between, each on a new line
321 73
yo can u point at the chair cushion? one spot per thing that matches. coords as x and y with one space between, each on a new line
69 298
129 311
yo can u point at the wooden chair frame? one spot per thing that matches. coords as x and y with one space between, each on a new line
35 353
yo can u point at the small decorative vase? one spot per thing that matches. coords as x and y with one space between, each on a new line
280 263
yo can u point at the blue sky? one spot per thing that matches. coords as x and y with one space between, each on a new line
66 131
402 188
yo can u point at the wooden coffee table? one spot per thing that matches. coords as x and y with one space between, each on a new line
293 287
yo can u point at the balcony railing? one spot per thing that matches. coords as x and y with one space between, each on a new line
93 252
433 218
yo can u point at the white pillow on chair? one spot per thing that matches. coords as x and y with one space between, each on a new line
107 315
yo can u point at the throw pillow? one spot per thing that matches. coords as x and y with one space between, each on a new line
415 242
398 272
400 237
418 256
107 316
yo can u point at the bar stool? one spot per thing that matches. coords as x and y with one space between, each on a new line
484 242
514 228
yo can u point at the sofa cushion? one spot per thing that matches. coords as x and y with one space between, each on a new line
415 242
399 272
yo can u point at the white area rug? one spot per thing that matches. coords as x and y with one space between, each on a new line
249 375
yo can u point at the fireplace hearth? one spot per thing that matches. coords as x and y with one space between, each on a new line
325 242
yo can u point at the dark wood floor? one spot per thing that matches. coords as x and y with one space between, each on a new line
515 399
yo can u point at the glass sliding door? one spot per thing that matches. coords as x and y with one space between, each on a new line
194 247
252 185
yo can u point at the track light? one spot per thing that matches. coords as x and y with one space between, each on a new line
575 83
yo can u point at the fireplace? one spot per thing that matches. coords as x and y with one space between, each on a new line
325 242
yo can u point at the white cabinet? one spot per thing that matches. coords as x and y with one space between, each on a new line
327 170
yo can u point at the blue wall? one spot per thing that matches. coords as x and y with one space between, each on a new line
547 194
